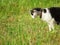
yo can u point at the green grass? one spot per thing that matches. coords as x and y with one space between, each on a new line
18 28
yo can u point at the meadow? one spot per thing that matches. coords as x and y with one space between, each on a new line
18 28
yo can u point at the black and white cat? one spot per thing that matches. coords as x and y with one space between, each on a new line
49 15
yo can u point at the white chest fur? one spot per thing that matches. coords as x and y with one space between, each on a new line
46 16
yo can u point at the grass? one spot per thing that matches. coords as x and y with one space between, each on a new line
18 28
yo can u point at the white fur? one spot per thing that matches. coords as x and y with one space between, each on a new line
34 15
48 18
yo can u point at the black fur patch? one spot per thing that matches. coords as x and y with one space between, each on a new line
55 13
44 10
38 9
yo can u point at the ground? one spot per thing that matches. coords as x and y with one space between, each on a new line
18 28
